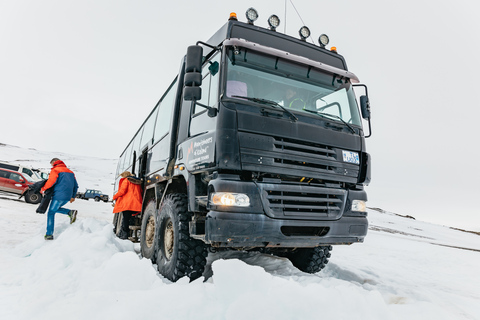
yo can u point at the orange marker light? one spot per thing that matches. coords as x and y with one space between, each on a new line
334 49
233 16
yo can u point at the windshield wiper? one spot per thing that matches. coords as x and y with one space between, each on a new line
269 102
322 114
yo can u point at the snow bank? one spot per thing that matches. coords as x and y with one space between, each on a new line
406 269
86 272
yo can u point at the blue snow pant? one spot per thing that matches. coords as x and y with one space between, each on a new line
55 206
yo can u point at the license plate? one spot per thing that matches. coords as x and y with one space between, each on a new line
351 157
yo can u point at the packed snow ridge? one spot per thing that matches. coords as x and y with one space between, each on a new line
405 269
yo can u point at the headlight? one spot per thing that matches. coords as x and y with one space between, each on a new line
359 206
230 199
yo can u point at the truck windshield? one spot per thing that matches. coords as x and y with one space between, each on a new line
296 87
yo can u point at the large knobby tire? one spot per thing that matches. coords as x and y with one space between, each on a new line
310 260
147 232
178 254
32 197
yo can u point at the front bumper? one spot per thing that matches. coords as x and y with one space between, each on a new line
237 230
285 215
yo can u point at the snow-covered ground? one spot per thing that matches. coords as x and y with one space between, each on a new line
405 269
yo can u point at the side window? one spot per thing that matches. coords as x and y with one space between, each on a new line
200 121
128 158
4 174
27 171
165 108
136 141
16 177
121 163
149 128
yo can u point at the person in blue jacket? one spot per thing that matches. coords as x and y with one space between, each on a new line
65 187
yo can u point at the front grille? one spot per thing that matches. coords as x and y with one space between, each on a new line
285 201
282 156
285 145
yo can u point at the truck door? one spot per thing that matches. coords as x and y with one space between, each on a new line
200 122
143 165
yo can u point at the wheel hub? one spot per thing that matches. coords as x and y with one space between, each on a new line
168 239
150 232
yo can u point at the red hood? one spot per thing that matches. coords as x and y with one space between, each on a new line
58 163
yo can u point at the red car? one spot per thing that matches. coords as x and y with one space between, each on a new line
16 182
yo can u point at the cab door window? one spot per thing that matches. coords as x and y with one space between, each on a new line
200 121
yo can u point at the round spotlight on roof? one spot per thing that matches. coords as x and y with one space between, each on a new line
304 33
323 40
273 22
252 15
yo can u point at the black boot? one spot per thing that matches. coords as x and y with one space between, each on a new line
123 235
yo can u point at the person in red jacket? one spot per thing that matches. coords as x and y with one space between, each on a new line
128 200
64 185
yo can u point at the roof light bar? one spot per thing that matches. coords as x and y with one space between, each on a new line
323 40
252 15
304 33
273 22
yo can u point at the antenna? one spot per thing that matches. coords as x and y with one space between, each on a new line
285 25
298 16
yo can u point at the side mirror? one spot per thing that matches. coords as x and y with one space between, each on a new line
192 93
365 107
194 59
193 74
212 112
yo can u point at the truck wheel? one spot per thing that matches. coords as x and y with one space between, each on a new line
97 199
33 198
147 233
310 260
178 254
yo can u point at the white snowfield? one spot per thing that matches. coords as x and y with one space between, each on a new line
405 269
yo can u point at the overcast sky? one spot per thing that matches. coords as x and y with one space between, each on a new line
81 76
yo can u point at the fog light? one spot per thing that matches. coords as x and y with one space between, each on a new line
230 199
323 40
273 22
252 15
304 33
359 206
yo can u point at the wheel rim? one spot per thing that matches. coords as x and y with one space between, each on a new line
34 197
168 239
150 232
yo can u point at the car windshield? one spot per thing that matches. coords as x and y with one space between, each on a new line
28 178
298 88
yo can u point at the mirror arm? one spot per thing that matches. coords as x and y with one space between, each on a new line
207 45
211 111
369 129
369 115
